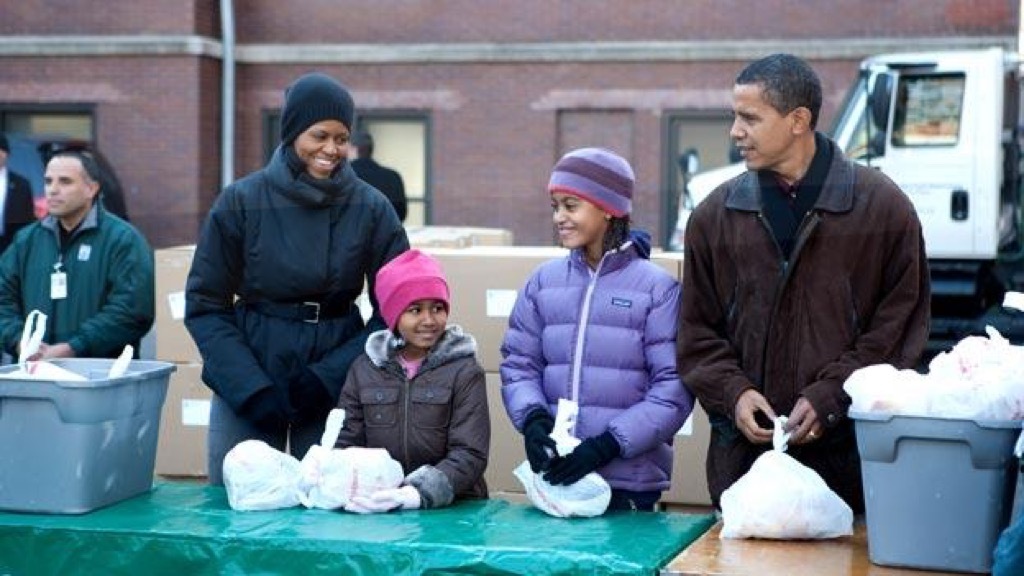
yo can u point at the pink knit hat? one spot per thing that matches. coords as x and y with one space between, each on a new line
411 276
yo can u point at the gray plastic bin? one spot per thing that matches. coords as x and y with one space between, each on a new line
937 492
72 447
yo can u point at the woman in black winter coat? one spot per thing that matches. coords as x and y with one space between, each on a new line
281 259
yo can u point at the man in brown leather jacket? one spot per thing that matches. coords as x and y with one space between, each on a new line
797 272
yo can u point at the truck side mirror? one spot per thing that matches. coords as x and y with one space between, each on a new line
881 100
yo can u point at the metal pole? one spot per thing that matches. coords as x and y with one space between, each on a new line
227 128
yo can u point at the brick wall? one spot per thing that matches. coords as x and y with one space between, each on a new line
580 20
494 127
151 122
109 17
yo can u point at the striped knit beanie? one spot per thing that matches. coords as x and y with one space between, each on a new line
598 176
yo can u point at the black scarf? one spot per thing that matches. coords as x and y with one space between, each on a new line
786 209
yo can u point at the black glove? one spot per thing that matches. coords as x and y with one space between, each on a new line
536 433
590 455
309 396
265 410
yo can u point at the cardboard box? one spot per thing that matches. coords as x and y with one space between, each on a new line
181 449
437 237
689 474
173 342
507 449
671 261
485 281
490 236
457 236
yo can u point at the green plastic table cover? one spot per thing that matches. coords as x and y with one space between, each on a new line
188 529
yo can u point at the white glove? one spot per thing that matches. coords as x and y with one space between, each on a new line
364 505
404 498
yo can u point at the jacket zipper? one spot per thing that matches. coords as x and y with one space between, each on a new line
807 225
405 420
577 361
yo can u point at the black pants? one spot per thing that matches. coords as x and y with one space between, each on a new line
629 500
227 429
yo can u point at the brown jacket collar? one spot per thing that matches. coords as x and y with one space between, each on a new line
836 193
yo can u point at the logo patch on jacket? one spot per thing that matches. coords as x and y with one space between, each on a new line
622 302
84 251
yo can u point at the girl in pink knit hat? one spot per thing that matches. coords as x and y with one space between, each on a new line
418 392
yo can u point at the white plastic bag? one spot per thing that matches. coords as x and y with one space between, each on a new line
120 365
780 498
31 337
356 471
587 497
44 370
258 477
332 477
980 378
881 388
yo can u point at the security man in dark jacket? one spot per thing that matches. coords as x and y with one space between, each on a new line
18 209
380 177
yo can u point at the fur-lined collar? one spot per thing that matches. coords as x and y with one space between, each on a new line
454 344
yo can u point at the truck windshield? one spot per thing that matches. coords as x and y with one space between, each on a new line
850 127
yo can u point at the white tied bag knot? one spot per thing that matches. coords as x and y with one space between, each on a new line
780 498
332 477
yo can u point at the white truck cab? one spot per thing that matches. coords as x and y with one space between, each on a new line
946 127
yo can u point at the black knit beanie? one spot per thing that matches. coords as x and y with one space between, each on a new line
310 99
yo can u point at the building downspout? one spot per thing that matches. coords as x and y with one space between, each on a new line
227 116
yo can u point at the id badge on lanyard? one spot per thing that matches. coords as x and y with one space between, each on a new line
58 282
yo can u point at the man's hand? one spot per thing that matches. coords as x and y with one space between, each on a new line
803 424
47 351
750 403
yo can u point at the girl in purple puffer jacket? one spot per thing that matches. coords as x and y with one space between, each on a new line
598 327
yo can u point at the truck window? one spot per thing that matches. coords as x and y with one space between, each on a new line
928 110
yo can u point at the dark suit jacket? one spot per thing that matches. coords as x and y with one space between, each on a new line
18 209
384 179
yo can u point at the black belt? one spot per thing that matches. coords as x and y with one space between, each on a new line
312 312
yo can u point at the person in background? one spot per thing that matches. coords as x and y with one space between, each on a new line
380 177
419 392
598 327
797 272
17 208
89 271
281 258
